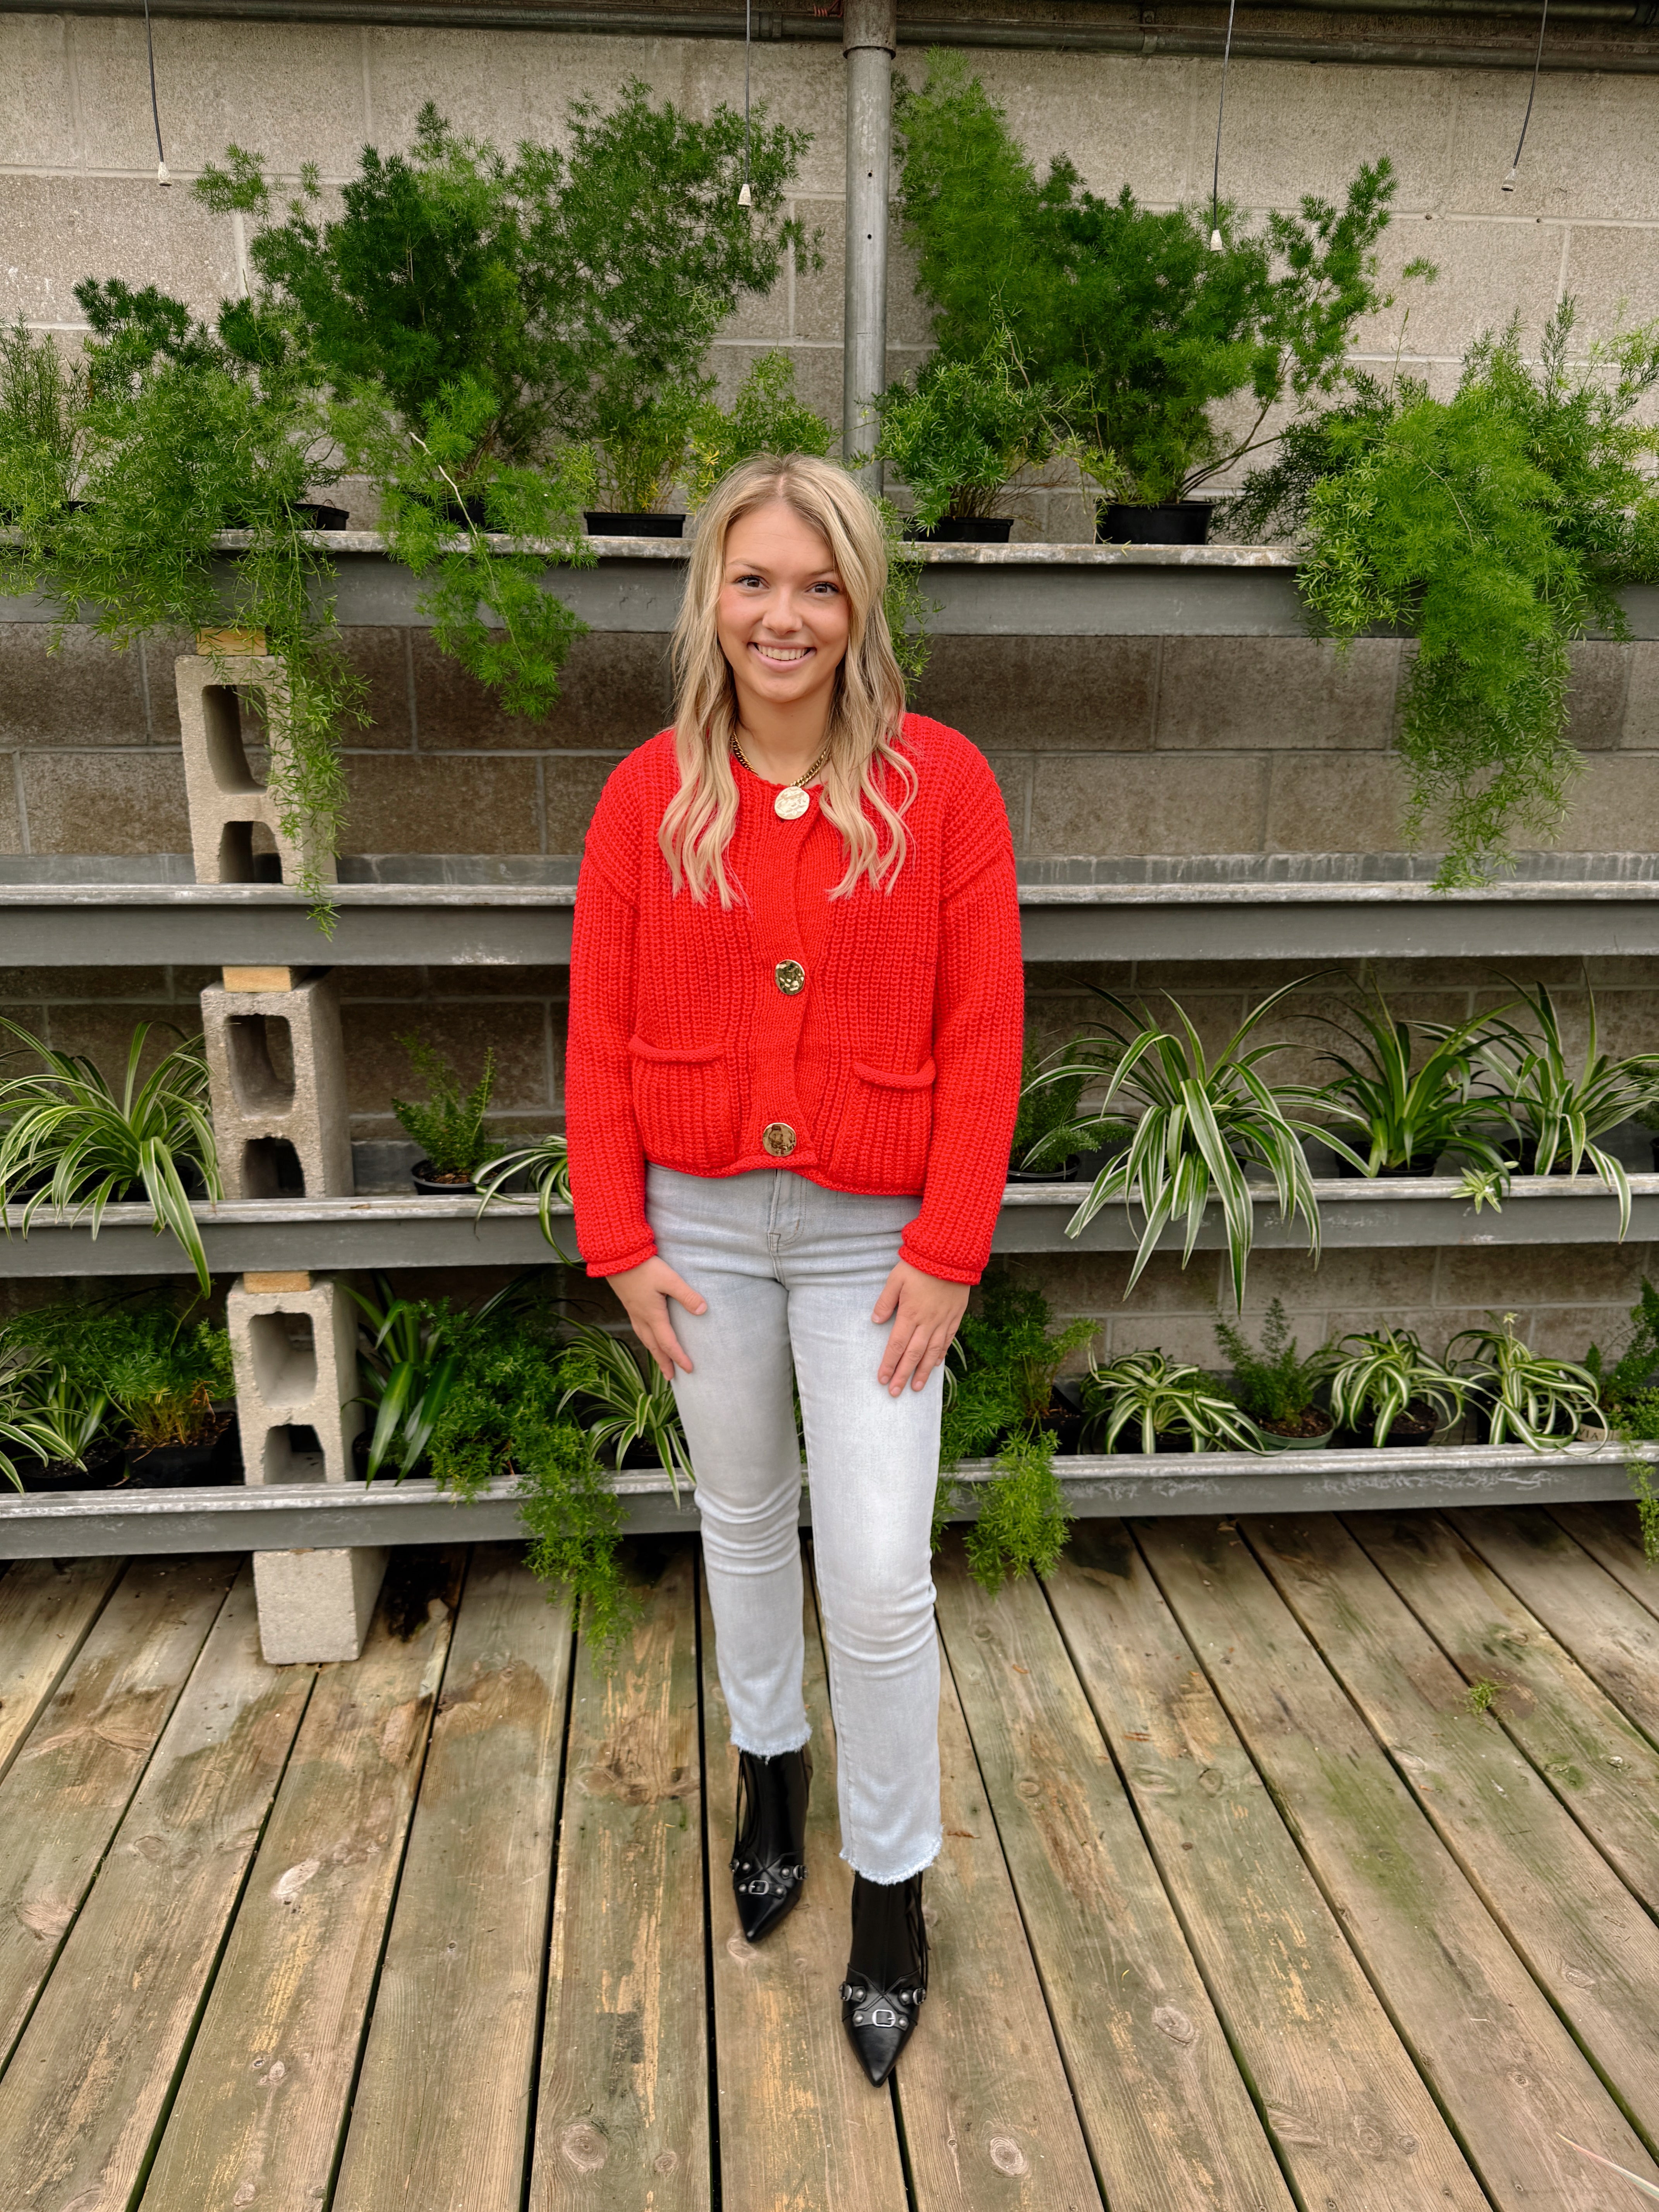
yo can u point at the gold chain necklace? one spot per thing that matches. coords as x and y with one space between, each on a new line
792 801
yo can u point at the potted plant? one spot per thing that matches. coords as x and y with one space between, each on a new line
1168 1404
1140 327
1497 527
641 448
1198 1121
1276 1386
448 1123
1405 1116
956 432
1558 1115
545 1165
766 417
52 1432
1042 1148
624 1402
70 1141
408 1363
171 1380
1542 1403
1388 1389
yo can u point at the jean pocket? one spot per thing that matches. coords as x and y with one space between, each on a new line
683 1100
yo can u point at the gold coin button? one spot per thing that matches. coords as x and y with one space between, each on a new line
779 1140
791 976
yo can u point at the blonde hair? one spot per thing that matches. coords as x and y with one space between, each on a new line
865 709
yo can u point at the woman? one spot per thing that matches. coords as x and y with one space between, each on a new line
793 1065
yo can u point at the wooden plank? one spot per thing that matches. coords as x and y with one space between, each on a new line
442 2118
986 2108
1604 1770
90 2082
1613 1638
800 2128
623 2116
75 1775
1581 1933
1612 1537
1504 2069
1168 2117
1353 2123
262 2106
47 1607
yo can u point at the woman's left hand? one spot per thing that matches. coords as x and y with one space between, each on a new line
928 1312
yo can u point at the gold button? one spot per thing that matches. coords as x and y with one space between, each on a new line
779 1140
792 977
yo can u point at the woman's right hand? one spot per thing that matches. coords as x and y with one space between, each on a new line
645 1292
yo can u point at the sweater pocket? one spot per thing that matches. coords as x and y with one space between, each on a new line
682 1102
887 1127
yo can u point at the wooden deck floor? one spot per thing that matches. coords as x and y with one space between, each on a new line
1244 1902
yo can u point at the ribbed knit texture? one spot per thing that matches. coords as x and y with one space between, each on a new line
898 1066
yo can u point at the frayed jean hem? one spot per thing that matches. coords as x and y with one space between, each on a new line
770 1751
907 1873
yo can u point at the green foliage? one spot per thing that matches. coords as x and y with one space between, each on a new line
448 1123
70 1140
959 429
1043 1127
641 447
43 396
1407 1113
1387 1371
163 1372
1024 1518
1138 327
1162 1397
1276 1384
42 1416
1633 1370
1542 1403
547 1164
1198 1119
765 417
1482 1695
906 602
407 1364
624 1399
1002 1367
1497 527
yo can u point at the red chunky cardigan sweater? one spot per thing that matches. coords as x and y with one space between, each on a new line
894 1064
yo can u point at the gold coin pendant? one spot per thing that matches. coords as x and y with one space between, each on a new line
791 803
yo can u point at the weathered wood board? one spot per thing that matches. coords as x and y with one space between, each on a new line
46 1609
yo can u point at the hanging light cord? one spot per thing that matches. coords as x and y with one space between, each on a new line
1221 109
1532 93
162 176
744 198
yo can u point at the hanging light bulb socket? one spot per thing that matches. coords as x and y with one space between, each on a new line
745 197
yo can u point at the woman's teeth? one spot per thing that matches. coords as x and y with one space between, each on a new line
783 654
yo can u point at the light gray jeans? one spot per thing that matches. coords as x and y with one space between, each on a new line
792 1273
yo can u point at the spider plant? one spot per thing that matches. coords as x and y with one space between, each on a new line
410 1363
1523 1395
547 1162
622 1396
31 1417
1387 1371
71 1141
1406 1116
1562 1113
1197 1119
1162 1397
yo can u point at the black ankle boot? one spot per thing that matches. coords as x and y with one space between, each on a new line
886 1973
768 1859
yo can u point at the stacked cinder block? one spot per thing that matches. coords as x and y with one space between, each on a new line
294 1347
226 800
276 1078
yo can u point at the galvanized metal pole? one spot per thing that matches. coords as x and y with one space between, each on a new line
869 40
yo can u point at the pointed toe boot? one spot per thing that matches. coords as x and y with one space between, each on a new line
886 1980
768 1859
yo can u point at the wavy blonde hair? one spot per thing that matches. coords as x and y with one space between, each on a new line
865 775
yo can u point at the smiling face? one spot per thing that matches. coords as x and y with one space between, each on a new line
782 620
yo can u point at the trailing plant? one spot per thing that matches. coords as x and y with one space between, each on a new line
1407 1113
1136 324
1497 527
905 602
1159 1396
547 1164
958 430
448 1123
1560 1112
1523 1395
120 477
1386 1372
624 1399
70 1141
1627 1385
766 417
1275 1386
1196 1121
1043 1127
1024 1518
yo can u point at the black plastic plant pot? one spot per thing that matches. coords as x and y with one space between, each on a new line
606 522
1062 1171
1177 522
105 1469
963 530
316 516
1418 1425
1654 1141
1423 1163
183 1467
431 1184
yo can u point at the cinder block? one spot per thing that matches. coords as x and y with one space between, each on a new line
316 1605
276 1078
226 801
294 1352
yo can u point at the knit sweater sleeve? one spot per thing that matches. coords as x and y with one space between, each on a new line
978 1030
607 1158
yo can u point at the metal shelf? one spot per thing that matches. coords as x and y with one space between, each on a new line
79 1524
331 1233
